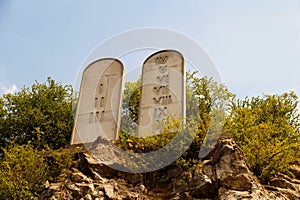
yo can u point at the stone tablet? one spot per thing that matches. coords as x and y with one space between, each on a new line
99 104
162 91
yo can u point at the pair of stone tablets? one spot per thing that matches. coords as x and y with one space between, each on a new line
100 98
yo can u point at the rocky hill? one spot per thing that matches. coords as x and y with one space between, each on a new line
224 174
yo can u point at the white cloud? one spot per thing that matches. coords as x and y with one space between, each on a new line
5 90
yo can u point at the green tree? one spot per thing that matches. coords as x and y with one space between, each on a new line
204 96
130 106
207 104
267 129
44 111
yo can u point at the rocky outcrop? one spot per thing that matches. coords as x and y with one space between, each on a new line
225 174
295 170
79 186
285 187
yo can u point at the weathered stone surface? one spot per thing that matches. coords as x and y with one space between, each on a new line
92 166
141 188
99 104
225 194
286 186
288 194
224 176
231 169
162 93
210 170
131 178
85 188
295 169
202 186
79 177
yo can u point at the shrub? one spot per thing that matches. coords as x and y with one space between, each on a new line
60 161
46 106
267 129
129 142
22 172
24 169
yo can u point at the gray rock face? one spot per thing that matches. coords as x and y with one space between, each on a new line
224 175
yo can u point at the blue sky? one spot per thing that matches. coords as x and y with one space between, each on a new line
254 44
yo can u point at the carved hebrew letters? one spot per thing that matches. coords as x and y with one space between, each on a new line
162 91
99 105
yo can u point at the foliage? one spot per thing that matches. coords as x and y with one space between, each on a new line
24 169
152 143
130 106
207 104
46 107
1 109
267 129
2 140
22 172
203 98
32 123
60 161
204 95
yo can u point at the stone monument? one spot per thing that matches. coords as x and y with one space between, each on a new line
162 91
99 103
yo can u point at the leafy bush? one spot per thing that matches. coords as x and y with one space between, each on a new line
131 143
130 106
22 172
267 129
61 161
24 169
